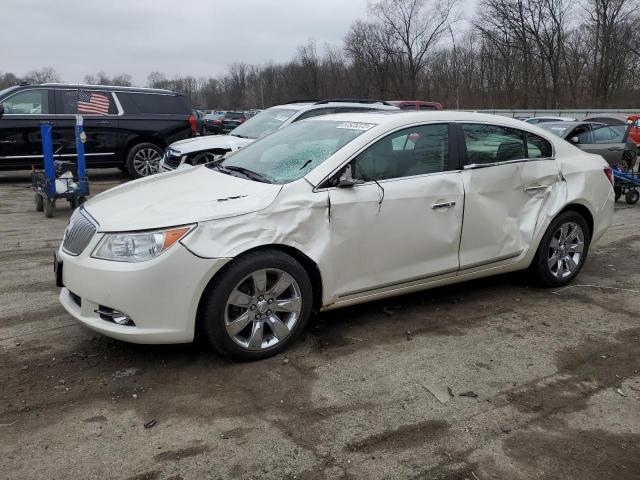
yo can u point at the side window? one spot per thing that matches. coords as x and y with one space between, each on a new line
584 134
85 102
538 147
492 143
609 134
409 106
315 113
412 151
28 102
152 103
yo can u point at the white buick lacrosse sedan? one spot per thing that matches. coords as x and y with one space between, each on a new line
329 212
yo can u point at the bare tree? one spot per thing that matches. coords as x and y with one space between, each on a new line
412 28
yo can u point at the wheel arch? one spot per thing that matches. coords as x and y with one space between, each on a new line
138 139
582 210
310 266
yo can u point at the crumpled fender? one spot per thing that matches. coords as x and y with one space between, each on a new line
298 219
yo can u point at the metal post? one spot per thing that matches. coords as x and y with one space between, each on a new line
49 166
82 167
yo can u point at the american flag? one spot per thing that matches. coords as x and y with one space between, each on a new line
93 103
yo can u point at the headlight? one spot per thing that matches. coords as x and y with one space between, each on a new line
138 246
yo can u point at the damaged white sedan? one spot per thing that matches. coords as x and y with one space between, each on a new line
329 212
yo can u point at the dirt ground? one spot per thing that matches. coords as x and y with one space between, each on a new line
552 380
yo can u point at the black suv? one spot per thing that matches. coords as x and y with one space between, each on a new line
126 127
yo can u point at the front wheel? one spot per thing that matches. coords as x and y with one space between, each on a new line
48 206
144 159
562 250
257 306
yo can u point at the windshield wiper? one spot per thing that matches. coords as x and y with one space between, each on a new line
248 173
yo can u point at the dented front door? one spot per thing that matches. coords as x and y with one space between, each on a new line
503 203
396 231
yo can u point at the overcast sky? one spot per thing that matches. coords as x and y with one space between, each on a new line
188 37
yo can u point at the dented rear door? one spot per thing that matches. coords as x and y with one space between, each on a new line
504 199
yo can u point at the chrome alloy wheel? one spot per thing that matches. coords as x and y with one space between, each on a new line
262 309
565 250
146 161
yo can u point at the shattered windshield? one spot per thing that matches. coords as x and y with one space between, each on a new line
291 153
263 123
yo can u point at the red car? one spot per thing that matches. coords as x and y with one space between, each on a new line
415 105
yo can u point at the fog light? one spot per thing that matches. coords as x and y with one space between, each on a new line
115 316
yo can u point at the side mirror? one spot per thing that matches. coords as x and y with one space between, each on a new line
574 140
1 110
346 180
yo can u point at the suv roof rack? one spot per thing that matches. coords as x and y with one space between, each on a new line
302 100
106 87
352 100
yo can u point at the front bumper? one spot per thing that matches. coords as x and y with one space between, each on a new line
161 296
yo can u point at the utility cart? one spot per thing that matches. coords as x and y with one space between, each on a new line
627 184
60 178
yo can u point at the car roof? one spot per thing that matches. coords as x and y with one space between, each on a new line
103 87
316 105
395 118
569 124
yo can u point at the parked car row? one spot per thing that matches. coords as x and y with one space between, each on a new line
130 128
200 150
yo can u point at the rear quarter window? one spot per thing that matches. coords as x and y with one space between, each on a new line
152 103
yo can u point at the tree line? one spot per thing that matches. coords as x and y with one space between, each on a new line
511 54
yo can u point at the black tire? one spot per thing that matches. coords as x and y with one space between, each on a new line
632 197
73 203
135 169
625 163
48 207
540 265
618 192
39 203
214 302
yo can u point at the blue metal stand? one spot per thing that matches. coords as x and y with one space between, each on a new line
49 166
82 167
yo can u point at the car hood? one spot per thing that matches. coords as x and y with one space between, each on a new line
210 142
177 198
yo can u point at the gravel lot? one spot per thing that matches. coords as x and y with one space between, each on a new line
371 392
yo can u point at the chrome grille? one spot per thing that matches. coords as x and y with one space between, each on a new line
78 233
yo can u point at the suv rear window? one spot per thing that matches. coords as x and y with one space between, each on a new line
153 103
234 115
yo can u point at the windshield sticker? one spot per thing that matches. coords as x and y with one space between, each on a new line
356 126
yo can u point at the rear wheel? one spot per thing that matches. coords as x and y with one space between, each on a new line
624 164
257 306
562 250
144 159
632 197
39 202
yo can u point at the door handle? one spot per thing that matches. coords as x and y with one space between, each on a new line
104 122
535 188
438 206
615 149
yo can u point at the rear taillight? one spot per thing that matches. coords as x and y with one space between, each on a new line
193 123
609 173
